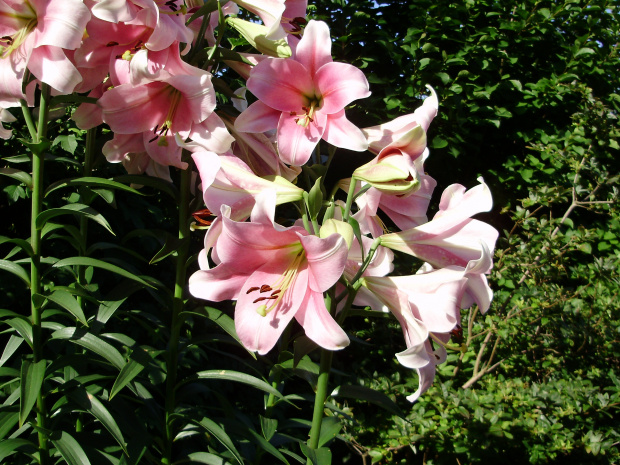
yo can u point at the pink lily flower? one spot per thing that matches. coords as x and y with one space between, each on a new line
402 135
275 274
227 180
165 20
259 153
173 104
304 97
33 35
6 117
452 237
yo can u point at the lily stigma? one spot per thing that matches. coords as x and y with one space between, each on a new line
279 288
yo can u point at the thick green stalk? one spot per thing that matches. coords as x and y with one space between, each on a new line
89 156
350 196
38 156
177 308
319 398
321 386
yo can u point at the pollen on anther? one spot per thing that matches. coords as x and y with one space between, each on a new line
260 299
265 288
252 289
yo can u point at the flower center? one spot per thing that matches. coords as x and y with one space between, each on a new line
307 116
271 294
161 131
170 7
8 44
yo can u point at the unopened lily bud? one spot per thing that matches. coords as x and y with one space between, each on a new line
336 226
391 175
256 35
286 191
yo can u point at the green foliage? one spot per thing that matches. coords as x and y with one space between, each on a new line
528 99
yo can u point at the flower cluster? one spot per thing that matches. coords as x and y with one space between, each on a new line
150 65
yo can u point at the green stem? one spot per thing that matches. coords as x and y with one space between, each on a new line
89 156
321 387
177 308
32 129
38 156
319 399
350 196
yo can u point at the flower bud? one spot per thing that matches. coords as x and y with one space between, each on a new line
332 226
256 35
391 175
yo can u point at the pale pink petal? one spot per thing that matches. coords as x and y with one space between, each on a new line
326 260
217 284
170 29
426 376
296 142
122 144
315 48
164 150
11 75
208 164
282 84
114 10
342 133
258 118
339 84
260 333
212 134
61 23
319 325
50 65
128 109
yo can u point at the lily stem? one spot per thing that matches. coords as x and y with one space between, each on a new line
88 169
177 308
319 399
38 155
321 387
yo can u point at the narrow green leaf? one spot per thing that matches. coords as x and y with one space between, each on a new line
321 456
237 377
268 426
31 380
207 458
93 343
92 182
70 449
266 446
9 349
171 246
87 261
8 420
330 427
150 181
24 245
208 7
94 406
19 175
10 446
139 359
369 395
74 209
218 433
69 303
17 270
23 327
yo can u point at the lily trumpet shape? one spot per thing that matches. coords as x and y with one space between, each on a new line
452 237
275 274
226 180
304 97
34 34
